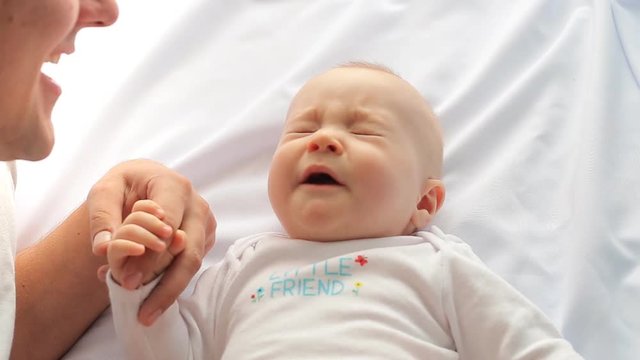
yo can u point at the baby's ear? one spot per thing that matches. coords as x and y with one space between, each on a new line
432 197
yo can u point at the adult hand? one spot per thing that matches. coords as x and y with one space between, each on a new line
111 200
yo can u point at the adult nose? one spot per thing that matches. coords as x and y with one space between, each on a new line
322 141
97 13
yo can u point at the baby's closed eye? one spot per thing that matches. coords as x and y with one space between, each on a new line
364 132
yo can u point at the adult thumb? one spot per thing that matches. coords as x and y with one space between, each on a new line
104 203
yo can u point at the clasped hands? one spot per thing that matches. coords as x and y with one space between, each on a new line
183 221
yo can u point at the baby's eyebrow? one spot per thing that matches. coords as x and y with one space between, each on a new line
310 113
363 115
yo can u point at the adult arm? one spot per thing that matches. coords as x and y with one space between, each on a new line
58 293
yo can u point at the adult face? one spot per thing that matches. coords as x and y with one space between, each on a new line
348 164
33 32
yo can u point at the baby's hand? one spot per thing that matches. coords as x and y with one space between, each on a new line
130 261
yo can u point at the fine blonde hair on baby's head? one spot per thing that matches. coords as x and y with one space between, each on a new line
431 141
368 65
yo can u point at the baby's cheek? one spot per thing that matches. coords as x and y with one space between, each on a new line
378 182
392 181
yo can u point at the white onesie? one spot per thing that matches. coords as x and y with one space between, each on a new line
425 296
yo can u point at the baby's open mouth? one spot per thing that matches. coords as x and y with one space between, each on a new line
320 178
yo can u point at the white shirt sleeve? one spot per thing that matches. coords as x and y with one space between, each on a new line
183 331
489 319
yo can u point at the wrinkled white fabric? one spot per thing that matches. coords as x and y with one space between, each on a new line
538 100
402 297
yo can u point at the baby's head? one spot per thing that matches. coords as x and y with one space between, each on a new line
360 156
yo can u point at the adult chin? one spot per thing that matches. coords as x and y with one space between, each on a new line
40 140
39 153
38 143
32 153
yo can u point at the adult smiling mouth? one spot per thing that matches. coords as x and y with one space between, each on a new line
47 67
49 62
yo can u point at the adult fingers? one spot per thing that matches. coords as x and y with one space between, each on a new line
198 226
210 232
178 243
111 198
104 203
174 281
173 193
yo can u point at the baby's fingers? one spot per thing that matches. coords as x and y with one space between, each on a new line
119 250
148 206
145 229
102 273
178 243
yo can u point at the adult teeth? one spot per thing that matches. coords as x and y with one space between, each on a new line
49 66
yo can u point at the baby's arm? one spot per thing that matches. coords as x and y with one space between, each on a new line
184 331
490 319
143 246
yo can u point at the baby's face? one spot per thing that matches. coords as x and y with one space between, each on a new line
349 163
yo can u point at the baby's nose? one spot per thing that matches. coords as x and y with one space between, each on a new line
324 143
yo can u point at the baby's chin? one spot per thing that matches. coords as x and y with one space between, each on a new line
319 238
322 235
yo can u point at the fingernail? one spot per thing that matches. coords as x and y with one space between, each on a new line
160 214
167 230
101 237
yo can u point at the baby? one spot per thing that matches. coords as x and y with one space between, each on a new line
354 181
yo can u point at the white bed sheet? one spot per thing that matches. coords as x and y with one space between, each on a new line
539 100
